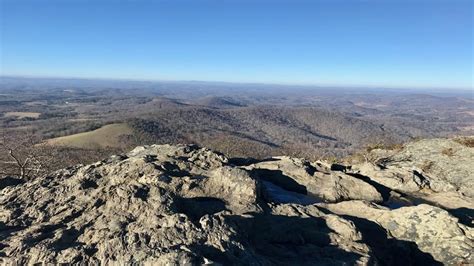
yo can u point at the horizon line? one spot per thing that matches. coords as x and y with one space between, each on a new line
321 85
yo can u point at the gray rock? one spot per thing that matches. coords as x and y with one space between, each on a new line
445 164
164 204
433 229
315 180
185 205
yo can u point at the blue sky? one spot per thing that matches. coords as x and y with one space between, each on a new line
395 43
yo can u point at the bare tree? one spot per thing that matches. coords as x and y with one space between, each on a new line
23 155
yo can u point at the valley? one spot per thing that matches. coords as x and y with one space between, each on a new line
241 120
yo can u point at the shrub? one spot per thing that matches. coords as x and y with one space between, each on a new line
448 152
426 166
466 141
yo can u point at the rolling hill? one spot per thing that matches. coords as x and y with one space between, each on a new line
104 137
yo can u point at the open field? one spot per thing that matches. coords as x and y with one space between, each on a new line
21 115
106 136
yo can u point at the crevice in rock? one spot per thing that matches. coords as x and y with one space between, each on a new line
238 161
278 178
10 181
383 190
197 207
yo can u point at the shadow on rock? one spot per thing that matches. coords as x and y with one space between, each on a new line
7 230
173 170
212 253
278 178
197 207
275 194
390 251
10 181
383 190
465 215
239 161
288 240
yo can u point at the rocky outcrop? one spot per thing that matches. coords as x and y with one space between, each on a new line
432 171
431 228
174 205
314 179
441 165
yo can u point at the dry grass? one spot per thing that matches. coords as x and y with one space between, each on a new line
21 115
427 166
448 152
108 136
367 154
390 147
331 159
466 141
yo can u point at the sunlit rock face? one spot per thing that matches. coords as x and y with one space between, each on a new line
183 204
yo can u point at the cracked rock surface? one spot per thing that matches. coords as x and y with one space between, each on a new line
182 204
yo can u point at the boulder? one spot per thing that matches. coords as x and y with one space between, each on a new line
432 229
318 181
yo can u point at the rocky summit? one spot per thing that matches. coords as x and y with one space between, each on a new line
174 205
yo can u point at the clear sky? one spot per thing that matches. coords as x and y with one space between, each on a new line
397 43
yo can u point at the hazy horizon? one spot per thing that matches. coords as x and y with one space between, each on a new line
392 44
348 87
